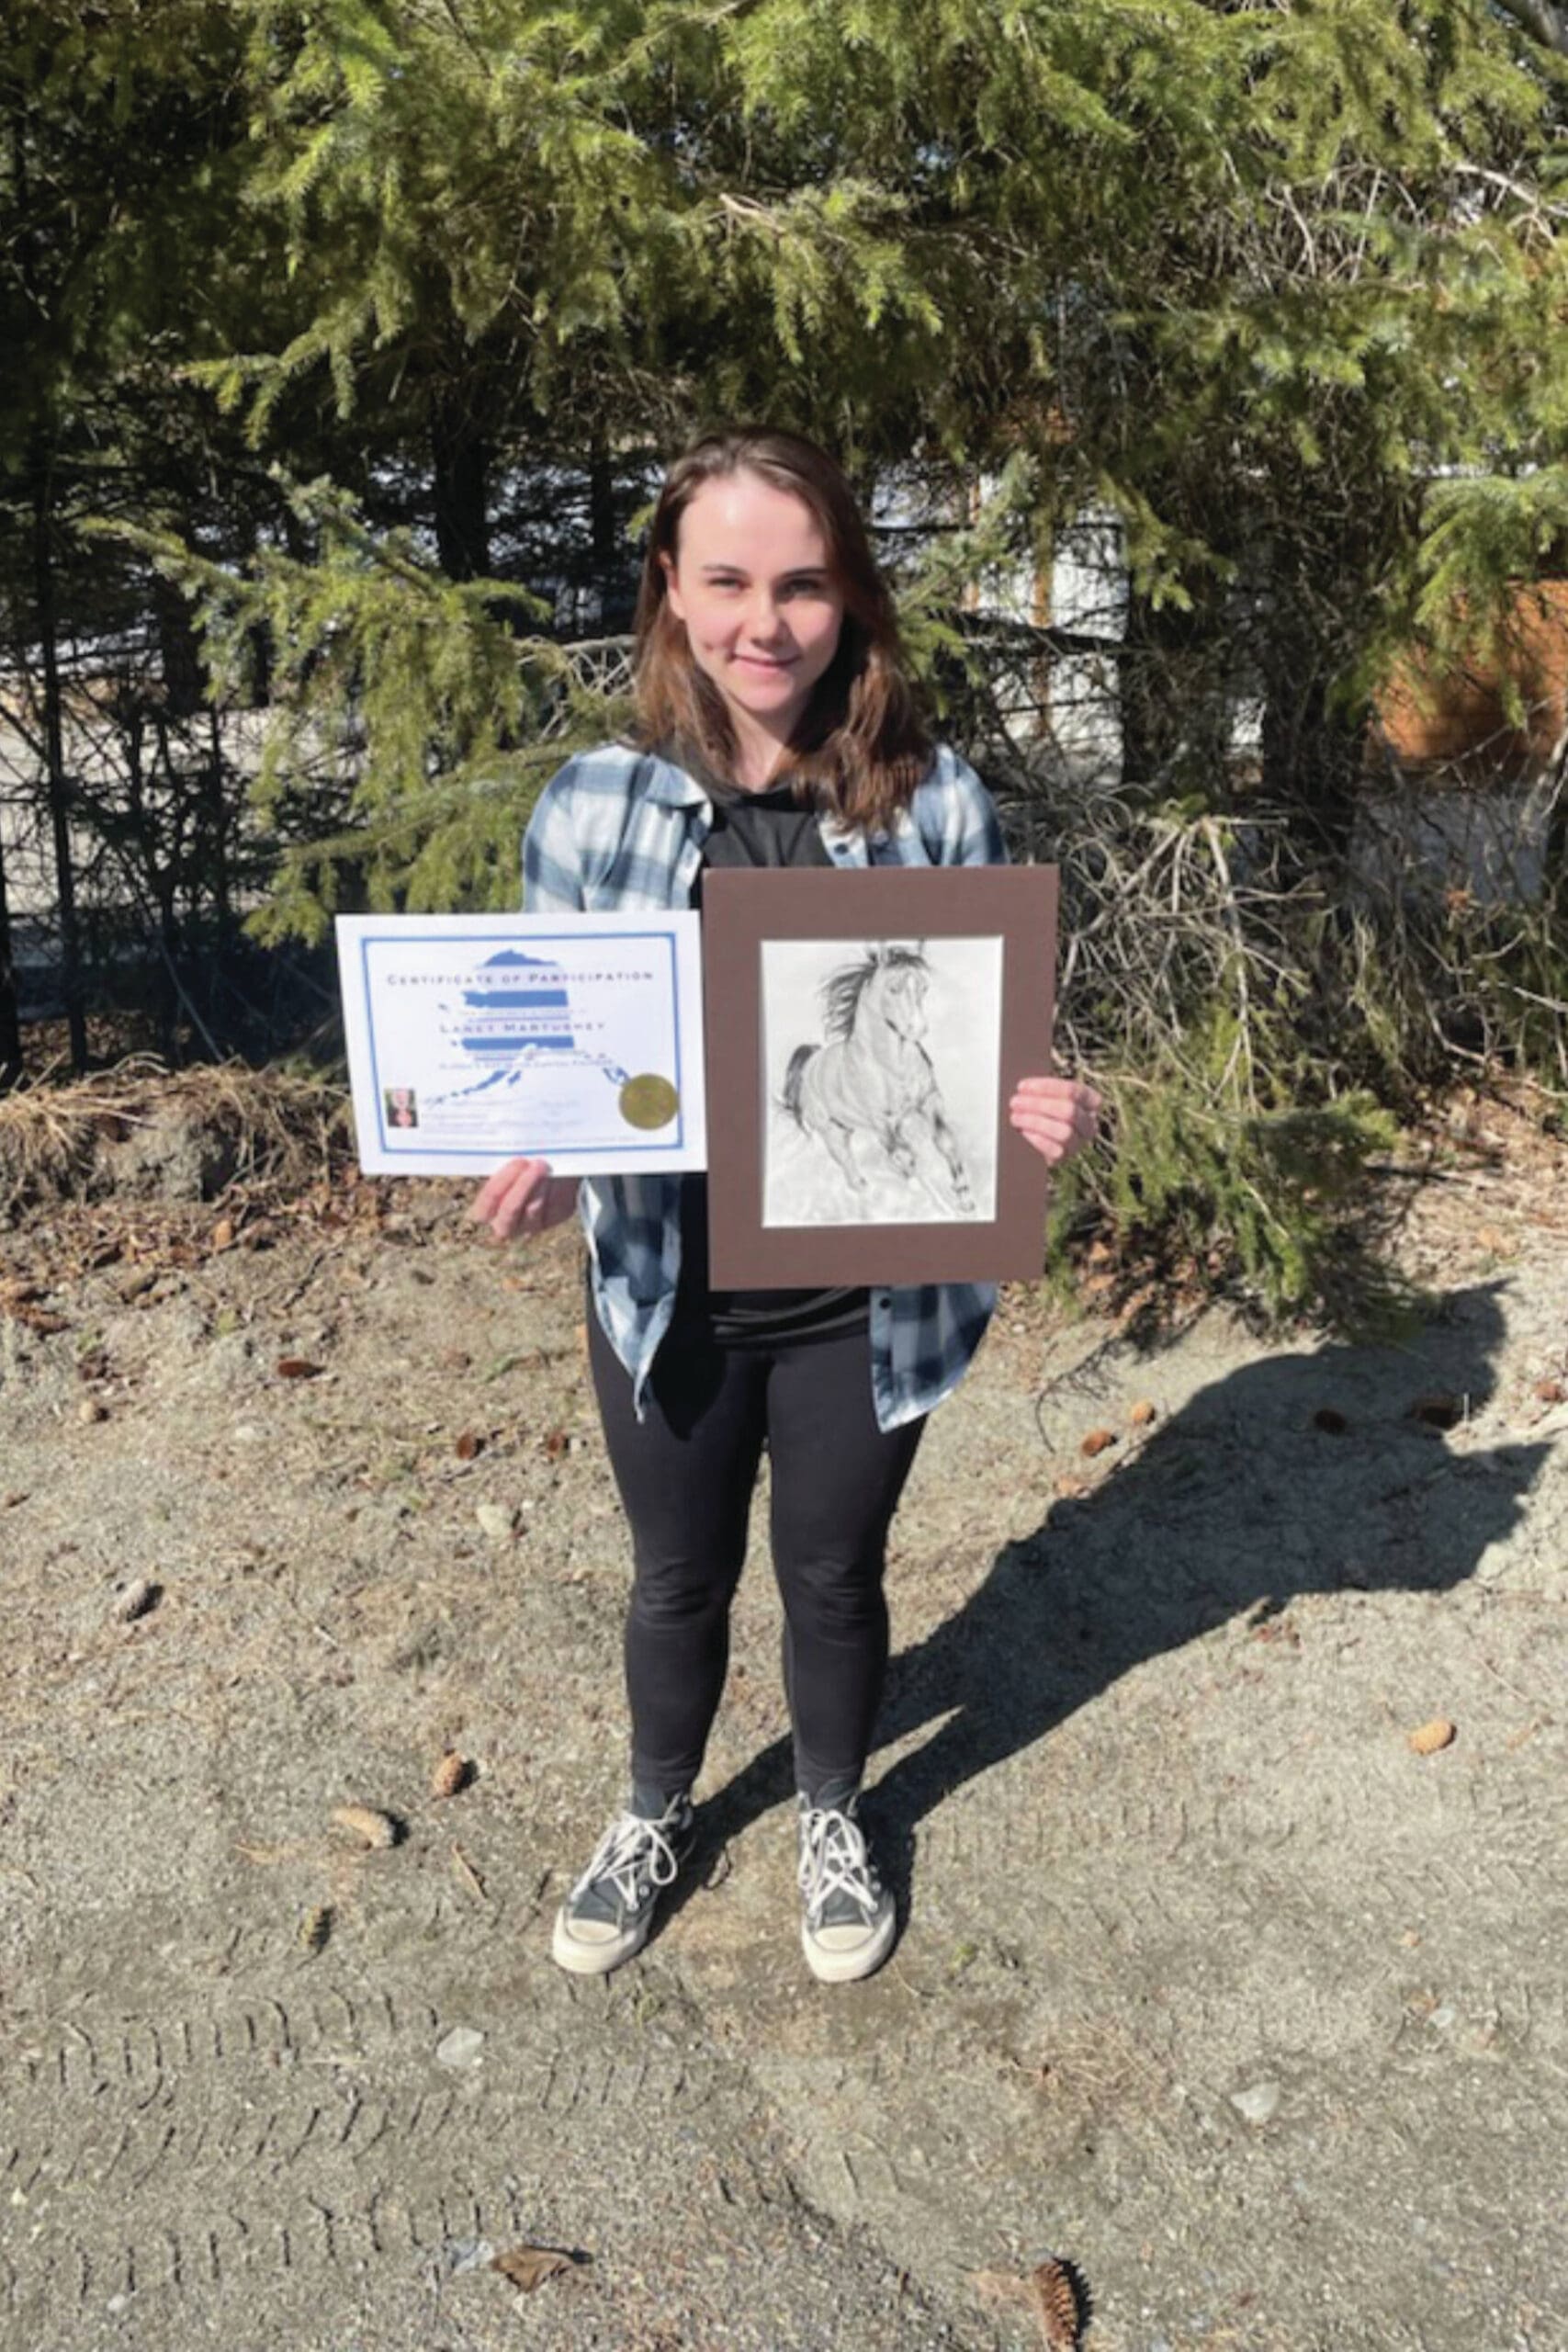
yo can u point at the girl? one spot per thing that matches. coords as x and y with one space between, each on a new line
775 728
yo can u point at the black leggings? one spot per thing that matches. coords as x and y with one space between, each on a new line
686 1475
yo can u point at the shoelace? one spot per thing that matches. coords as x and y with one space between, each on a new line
629 1847
833 1860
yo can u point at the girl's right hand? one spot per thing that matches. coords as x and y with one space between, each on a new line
523 1197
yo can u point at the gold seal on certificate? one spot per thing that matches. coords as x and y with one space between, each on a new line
649 1101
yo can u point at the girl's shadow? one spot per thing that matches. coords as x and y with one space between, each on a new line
1305 1474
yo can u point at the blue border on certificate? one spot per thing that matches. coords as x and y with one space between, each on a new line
403 938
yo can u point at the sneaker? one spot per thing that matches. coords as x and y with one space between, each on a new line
606 1916
848 1923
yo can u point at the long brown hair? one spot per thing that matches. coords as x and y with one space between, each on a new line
861 747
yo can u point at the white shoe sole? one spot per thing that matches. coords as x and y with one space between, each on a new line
584 1959
831 1967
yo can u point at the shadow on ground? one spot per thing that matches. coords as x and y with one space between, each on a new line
1238 1504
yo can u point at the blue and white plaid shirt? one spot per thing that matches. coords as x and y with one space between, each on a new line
617 829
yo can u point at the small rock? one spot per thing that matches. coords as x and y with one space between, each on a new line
137 1599
1259 2103
92 1408
459 2255
495 1520
1330 1420
1143 1413
1443 2017
1431 1738
464 2046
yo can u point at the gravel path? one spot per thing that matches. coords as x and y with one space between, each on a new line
1210 1984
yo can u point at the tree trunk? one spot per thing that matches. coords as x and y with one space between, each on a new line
1174 712
55 756
462 486
1312 762
603 537
10 1006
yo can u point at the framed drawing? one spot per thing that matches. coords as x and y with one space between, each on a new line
864 1032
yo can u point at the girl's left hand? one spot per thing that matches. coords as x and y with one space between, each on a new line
1057 1116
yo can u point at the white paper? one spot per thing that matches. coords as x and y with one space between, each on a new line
880 1061
473 1039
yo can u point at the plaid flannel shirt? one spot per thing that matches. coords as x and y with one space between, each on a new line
617 829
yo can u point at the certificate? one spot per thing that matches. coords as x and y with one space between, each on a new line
478 1038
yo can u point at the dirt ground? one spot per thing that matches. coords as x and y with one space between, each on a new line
1211 1985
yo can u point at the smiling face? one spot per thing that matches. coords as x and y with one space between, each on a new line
752 581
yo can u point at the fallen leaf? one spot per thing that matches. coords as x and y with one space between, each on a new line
1328 1419
1437 1411
40 1319
1431 1738
297 1368
1143 1413
528 2266
450 1775
375 1830
470 1445
1057 2301
1095 1443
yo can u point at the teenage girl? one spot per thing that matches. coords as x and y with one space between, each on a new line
775 728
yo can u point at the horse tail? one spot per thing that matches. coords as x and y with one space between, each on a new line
795 1077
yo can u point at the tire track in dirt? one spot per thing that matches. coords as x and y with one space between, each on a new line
294 2133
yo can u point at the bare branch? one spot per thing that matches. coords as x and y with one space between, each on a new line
1541 20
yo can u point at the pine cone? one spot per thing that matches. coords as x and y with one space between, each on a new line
1061 2316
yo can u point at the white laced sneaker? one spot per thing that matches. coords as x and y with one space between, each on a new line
606 1916
850 1919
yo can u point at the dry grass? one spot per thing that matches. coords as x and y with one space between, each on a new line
57 1139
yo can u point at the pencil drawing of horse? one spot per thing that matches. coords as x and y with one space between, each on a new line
874 1076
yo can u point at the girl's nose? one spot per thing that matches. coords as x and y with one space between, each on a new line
766 619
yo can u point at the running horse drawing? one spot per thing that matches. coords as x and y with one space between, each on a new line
873 1075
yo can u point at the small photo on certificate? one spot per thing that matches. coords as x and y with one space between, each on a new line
473 1039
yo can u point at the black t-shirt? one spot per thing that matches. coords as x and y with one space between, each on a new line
771 828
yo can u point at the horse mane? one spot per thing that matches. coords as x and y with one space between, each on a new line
842 989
